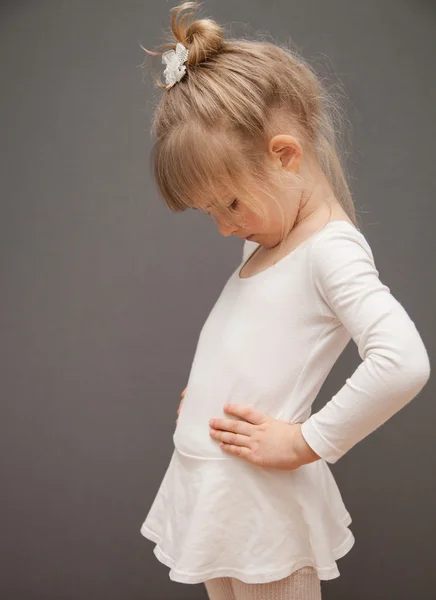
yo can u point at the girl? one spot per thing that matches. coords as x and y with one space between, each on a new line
246 133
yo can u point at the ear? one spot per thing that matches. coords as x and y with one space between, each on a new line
287 149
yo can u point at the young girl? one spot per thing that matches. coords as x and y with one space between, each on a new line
246 133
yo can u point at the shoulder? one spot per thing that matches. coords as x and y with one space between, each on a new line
344 273
339 243
340 231
342 265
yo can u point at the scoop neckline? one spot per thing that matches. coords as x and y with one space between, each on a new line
303 244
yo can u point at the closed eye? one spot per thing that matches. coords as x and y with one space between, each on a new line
233 206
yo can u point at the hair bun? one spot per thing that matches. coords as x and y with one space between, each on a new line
202 37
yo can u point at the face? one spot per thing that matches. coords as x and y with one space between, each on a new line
286 153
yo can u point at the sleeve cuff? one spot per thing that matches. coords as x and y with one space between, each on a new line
318 443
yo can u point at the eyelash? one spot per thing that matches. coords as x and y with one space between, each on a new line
233 206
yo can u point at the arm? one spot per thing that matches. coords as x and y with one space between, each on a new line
395 363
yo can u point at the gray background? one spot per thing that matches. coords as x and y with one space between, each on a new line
104 291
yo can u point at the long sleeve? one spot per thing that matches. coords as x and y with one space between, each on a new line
395 364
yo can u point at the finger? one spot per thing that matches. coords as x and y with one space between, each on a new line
248 413
241 451
231 425
228 437
184 392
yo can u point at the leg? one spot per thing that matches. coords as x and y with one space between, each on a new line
302 584
219 588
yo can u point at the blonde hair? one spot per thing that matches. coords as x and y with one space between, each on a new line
213 126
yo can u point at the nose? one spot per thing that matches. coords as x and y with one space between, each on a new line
225 229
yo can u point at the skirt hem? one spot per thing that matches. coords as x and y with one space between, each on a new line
324 573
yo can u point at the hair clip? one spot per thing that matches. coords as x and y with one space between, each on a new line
174 59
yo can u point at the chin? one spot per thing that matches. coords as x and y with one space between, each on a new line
272 243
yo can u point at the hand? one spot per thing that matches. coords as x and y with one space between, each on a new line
181 402
262 440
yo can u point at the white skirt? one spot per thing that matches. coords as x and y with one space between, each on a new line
225 517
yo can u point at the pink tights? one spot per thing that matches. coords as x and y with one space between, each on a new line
302 584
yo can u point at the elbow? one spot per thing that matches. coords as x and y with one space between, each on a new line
404 367
401 351
418 361
422 370
415 368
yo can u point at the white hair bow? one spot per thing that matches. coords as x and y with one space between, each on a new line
174 60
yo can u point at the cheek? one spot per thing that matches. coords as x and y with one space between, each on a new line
253 223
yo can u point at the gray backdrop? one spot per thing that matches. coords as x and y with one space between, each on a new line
104 291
